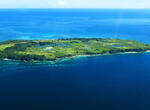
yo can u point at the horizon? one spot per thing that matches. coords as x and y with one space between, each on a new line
74 8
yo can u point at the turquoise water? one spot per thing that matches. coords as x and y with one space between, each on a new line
109 82
64 23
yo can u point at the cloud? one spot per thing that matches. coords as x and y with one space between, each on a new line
62 3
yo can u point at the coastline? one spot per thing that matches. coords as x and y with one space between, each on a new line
56 50
72 57
77 56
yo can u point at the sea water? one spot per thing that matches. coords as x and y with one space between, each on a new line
66 23
110 82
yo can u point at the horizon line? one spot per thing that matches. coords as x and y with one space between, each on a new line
74 8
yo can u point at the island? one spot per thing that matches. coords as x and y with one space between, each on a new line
52 50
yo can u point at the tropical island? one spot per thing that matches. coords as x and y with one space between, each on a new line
52 50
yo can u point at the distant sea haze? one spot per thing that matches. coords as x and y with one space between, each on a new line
66 23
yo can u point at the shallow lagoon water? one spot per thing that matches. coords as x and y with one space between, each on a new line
109 82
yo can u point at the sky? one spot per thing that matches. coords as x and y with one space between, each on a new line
74 3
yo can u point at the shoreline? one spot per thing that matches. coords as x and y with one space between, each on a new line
77 56
55 50
69 58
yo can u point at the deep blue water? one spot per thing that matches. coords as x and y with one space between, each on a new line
111 82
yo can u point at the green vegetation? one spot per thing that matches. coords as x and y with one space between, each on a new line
50 50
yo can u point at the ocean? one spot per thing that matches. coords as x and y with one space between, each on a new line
109 82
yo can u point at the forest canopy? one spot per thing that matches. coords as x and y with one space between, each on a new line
49 50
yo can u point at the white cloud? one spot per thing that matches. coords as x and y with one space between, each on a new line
63 3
